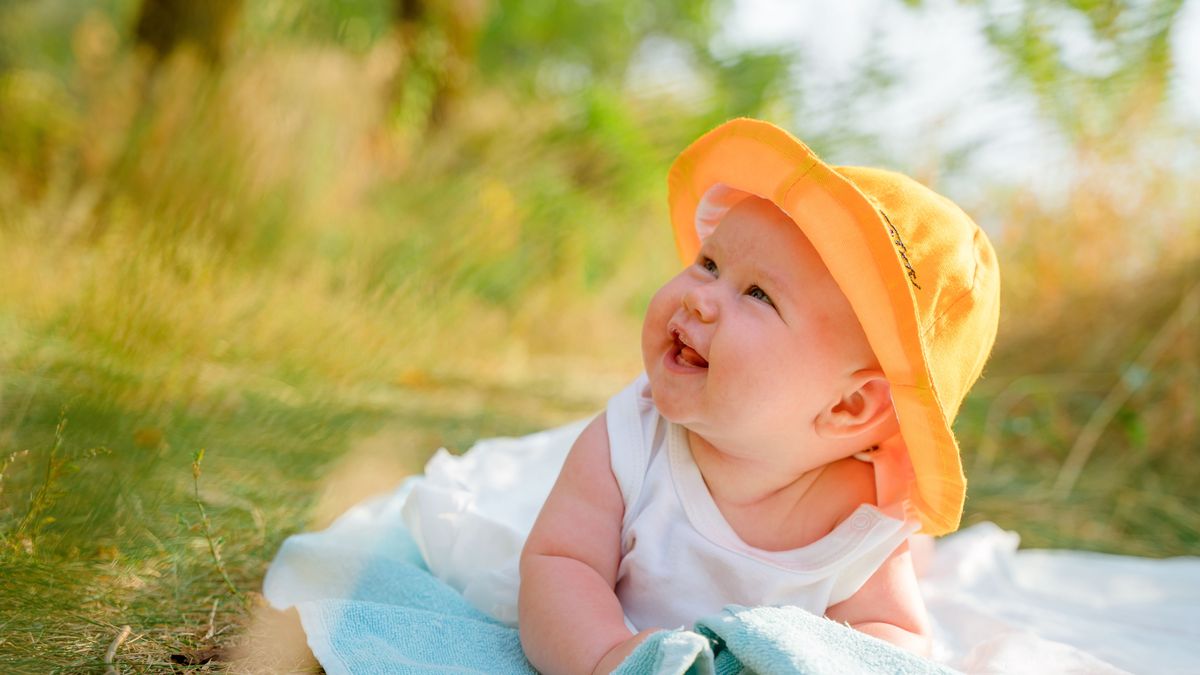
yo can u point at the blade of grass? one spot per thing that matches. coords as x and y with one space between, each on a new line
212 545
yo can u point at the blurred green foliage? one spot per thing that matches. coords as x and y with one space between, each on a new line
1122 69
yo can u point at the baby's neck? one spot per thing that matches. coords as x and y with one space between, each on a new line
777 509
742 480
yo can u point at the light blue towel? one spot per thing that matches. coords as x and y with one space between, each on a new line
377 609
430 628
368 603
771 640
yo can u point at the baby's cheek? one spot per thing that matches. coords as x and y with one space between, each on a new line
658 299
775 371
662 306
654 326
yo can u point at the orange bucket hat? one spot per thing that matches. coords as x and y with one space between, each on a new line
920 275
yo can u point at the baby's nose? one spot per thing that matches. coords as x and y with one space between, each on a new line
700 301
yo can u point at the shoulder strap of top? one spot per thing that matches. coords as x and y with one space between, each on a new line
885 534
627 439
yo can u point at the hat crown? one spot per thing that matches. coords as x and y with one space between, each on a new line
952 271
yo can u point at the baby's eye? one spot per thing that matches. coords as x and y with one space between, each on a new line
709 265
759 294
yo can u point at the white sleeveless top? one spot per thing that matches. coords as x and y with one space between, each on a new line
681 560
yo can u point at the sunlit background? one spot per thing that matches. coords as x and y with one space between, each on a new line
319 240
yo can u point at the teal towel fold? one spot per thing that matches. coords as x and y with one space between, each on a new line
771 640
670 653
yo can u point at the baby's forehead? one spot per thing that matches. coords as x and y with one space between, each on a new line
757 233
760 228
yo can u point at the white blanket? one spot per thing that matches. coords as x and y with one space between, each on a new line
995 609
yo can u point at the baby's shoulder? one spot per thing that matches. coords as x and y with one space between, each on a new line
843 486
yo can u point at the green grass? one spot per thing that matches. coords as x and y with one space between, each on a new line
126 544
1128 348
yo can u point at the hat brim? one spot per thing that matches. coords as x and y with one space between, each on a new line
855 241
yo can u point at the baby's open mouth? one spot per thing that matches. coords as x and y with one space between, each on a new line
685 355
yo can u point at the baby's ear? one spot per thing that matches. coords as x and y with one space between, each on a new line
863 405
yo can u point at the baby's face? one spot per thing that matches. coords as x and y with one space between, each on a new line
754 337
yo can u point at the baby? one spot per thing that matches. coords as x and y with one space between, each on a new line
792 428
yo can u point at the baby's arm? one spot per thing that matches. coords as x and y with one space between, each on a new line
570 619
889 605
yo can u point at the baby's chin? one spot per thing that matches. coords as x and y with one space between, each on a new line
671 408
